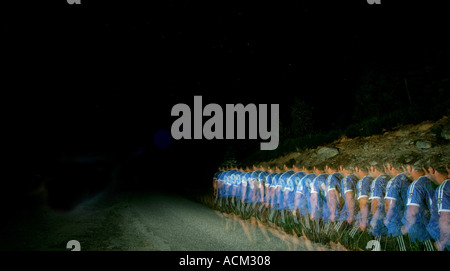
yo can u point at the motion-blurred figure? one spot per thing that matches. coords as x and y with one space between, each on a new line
396 198
418 206
439 226
377 194
362 196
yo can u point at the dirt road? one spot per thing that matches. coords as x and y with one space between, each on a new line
144 221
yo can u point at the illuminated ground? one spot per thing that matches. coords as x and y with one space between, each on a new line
144 221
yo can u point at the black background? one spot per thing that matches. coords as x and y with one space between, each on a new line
102 77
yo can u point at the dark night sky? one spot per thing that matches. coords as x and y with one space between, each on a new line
104 76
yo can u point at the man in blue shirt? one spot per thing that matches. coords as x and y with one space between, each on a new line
216 182
377 194
267 193
254 187
439 225
281 186
234 189
262 180
418 206
273 188
362 208
396 198
259 184
225 189
302 196
252 190
269 187
318 197
281 200
333 191
290 189
274 195
348 188
344 201
333 195
272 199
245 190
240 193
362 196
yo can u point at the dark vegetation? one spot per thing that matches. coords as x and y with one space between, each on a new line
386 98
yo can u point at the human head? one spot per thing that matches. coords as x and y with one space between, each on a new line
289 164
362 170
277 169
331 167
393 168
376 169
319 168
272 167
307 167
414 170
436 171
347 169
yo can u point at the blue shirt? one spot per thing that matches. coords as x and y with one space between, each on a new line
238 183
363 187
269 186
348 184
363 191
378 191
253 185
443 197
262 179
304 191
273 186
234 186
282 185
246 182
293 180
319 186
291 184
226 183
220 182
275 178
397 189
269 179
216 175
333 183
420 194
441 203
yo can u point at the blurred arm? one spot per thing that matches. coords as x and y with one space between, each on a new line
313 200
390 203
332 201
364 209
350 201
444 227
411 217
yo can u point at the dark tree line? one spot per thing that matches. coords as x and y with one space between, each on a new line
388 94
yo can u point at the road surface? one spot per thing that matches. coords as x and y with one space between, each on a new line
145 221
